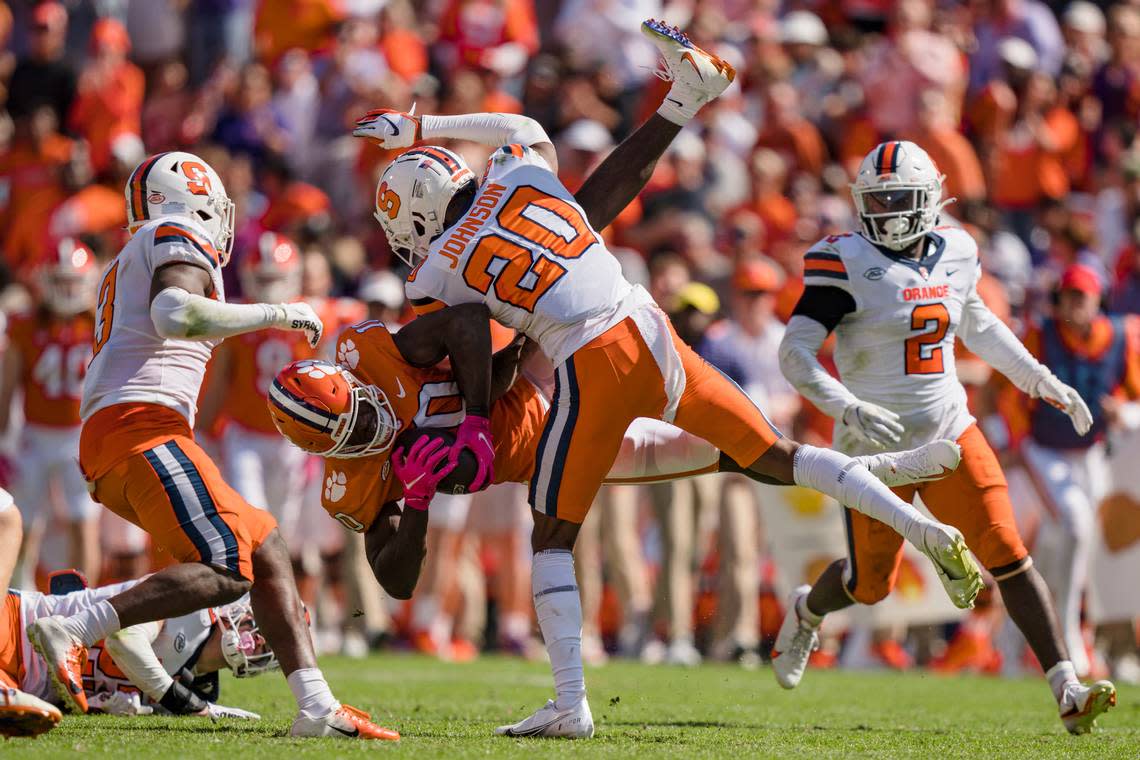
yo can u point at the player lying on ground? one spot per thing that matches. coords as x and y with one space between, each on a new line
161 312
896 294
21 713
171 665
527 248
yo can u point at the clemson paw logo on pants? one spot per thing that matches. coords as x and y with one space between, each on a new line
335 487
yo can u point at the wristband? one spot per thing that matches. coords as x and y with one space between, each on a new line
180 700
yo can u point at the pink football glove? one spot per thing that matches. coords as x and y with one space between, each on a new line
420 470
389 128
474 434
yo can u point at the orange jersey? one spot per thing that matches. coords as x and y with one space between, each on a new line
254 359
337 315
355 489
54 353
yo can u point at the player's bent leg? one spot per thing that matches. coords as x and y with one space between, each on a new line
23 714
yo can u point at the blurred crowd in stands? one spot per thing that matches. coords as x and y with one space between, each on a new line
1031 108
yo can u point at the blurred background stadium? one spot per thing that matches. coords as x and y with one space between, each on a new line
1031 108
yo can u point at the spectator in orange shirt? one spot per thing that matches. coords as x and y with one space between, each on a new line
788 133
493 34
281 25
32 184
110 98
403 46
952 153
769 202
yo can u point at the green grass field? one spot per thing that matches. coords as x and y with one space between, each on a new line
449 711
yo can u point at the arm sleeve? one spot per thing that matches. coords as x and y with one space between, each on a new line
800 365
131 650
486 128
988 337
177 313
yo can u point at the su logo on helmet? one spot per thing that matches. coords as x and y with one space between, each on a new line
387 201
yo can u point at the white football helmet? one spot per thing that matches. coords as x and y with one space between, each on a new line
181 184
271 270
244 648
69 279
898 194
412 197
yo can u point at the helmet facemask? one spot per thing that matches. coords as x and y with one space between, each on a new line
371 426
895 214
244 648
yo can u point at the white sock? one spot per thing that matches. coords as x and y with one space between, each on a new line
852 485
806 614
515 626
1060 676
94 623
558 607
424 612
312 692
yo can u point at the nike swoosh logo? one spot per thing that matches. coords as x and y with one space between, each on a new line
412 483
486 442
674 100
392 124
950 272
689 57
355 732
400 386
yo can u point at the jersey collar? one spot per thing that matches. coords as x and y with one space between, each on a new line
935 245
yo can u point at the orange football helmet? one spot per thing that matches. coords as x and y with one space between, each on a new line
323 409
271 270
68 279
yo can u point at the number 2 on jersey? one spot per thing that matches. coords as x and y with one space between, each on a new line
924 350
551 224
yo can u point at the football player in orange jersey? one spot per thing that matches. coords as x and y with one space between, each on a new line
46 360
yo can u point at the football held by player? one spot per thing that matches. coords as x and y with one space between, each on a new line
524 246
896 293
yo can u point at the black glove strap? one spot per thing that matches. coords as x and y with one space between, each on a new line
180 700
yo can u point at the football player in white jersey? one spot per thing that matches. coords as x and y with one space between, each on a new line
522 244
161 311
172 663
897 293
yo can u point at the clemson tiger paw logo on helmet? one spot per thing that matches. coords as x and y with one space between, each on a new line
347 354
335 487
317 370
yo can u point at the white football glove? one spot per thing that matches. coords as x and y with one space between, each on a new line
873 423
300 316
1052 391
118 703
389 128
217 712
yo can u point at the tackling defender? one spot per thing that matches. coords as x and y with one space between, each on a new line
897 293
161 311
524 246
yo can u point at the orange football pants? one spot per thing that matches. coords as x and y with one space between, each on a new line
974 499
605 386
162 481
11 654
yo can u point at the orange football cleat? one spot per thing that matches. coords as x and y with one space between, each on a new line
65 657
346 722
462 650
22 714
891 654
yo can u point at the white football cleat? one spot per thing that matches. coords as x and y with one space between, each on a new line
65 657
1081 705
931 461
346 722
22 714
954 564
697 76
796 641
549 721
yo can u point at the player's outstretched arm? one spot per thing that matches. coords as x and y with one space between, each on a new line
180 308
396 545
990 338
623 173
392 129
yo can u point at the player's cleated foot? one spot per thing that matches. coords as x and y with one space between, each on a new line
549 721
346 722
794 644
65 656
697 76
1082 705
931 461
22 714
954 564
